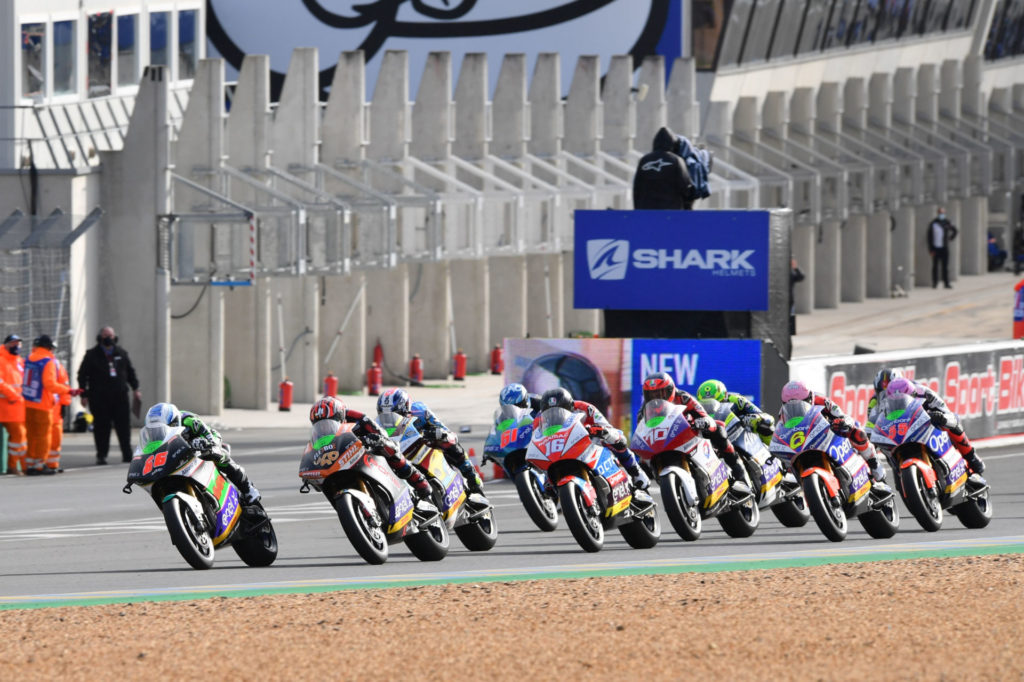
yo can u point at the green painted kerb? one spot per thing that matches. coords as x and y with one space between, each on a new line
764 564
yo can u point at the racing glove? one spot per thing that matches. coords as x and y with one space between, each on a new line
703 424
940 419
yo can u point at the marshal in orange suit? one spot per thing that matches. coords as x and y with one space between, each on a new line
41 390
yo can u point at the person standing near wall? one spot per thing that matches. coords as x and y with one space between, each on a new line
105 374
41 389
12 404
57 419
940 233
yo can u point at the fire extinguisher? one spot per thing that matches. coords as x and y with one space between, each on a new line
378 354
331 385
284 395
459 370
374 379
497 360
416 369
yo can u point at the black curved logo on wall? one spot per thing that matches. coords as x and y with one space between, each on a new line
237 28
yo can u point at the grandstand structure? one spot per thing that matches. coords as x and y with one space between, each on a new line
233 237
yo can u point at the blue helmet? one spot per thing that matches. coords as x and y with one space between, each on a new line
514 394
164 413
394 400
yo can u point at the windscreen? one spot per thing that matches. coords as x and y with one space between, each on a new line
657 408
506 412
157 432
554 416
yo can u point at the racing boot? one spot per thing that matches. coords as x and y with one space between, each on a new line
236 474
640 479
966 450
473 480
739 474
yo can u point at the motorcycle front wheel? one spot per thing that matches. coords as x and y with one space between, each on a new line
741 521
369 540
922 502
685 518
830 517
642 533
586 528
188 533
541 509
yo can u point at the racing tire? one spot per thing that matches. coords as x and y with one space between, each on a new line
975 512
587 529
831 519
370 542
189 534
792 512
882 523
541 509
741 521
643 532
480 535
685 518
256 548
922 502
431 543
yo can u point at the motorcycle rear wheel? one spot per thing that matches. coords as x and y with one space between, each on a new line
188 534
480 535
587 529
643 532
371 542
431 543
974 513
831 520
792 512
922 502
882 523
741 521
541 509
685 518
258 548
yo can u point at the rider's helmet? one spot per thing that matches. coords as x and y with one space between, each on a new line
557 397
659 386
795 390
327 407
394 400
514 394
164 413
885 376
900 385
712 389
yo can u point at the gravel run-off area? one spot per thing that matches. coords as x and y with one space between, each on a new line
924 619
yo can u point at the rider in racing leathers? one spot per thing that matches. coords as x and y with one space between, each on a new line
600 429
840 423
752 416
659 386
434 433
209 443
516 394
941 416
373 438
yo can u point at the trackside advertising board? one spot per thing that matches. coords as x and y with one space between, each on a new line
982 384
671 260
609 373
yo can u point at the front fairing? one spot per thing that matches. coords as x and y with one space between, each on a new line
560 436
513 429
332 447
401 430
663 427
902 424
162 451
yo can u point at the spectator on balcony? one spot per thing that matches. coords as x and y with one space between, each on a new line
673 175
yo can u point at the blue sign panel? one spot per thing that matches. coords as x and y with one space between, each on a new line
671 260
690 362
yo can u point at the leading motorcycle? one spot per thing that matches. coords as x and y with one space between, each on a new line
931 474
202 509
835 477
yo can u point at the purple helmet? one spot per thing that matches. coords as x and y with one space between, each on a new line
900 385
795 390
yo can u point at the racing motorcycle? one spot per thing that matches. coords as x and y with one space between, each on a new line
774 487
931 474
506 446
594 490
203 510
836 479
694 481
470 515
376 508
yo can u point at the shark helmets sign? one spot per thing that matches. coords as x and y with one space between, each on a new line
671 260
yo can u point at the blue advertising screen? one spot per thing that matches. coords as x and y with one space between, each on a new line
690 362
671 260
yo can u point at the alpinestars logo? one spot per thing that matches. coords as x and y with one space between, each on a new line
607 259
655 165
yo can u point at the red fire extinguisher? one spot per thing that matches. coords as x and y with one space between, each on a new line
331 385
459 370
497 360
374 379
378 354
1018 311
284 395
416 369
